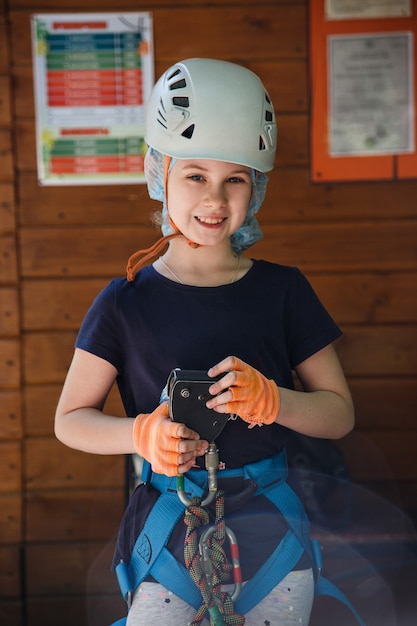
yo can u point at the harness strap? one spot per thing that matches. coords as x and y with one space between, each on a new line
173 575
150 555
149 544
325 587
286 555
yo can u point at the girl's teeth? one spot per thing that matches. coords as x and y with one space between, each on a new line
208 220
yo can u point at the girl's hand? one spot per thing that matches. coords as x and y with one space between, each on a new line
244 391
170 447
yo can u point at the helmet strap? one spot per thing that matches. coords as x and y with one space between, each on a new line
139 259
144 257
167 163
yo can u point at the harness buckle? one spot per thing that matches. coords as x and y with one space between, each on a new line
318 559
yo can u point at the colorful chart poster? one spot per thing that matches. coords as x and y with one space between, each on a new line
93 74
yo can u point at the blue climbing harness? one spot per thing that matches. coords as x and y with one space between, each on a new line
150 555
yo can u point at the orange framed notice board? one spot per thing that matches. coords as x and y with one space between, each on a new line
363 90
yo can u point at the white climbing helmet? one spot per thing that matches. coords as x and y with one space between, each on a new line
212 109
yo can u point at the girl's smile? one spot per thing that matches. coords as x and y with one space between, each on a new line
208 200
210 221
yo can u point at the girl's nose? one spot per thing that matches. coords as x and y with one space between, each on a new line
215 195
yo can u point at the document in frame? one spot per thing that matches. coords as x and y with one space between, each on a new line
371 95
367 9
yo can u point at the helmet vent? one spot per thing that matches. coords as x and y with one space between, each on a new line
179 84
261 144
161 114
181 101
188 132
171 76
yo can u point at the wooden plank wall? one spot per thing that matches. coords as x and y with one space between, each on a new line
59 509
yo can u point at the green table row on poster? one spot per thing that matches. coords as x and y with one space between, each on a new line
92 60
118 145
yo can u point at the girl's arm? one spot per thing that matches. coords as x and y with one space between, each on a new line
81 424
79 419
323 409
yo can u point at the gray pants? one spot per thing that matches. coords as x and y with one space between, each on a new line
289 603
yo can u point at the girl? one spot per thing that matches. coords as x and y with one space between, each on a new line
202 305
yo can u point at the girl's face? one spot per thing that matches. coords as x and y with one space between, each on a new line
208 200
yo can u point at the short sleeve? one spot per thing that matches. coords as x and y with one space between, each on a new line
311 328
99 331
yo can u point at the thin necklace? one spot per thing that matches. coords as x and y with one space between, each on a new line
178 279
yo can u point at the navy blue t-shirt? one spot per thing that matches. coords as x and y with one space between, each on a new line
271 319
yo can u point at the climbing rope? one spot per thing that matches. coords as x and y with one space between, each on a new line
208 565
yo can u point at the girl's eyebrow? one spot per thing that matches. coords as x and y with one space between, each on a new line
195 166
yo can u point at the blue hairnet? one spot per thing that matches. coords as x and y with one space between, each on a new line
249 233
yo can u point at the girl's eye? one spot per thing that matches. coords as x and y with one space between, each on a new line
233 179
237 179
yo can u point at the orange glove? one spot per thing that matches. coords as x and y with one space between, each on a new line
156 439
255 398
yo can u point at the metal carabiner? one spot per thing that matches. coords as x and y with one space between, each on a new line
234 552
212 464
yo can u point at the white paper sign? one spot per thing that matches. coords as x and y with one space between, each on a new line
362 9
371 102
